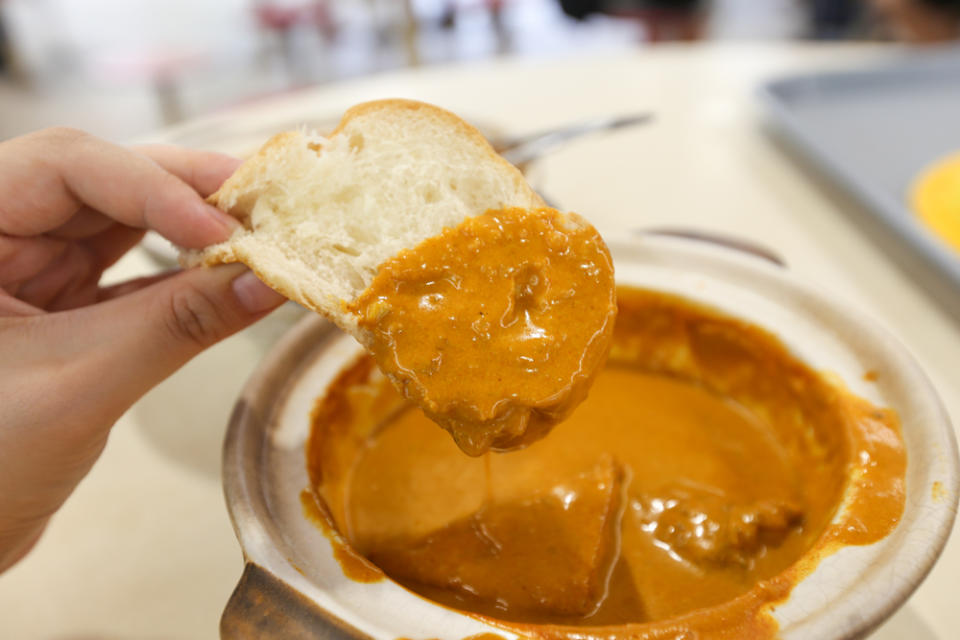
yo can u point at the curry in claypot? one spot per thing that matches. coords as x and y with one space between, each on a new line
705 474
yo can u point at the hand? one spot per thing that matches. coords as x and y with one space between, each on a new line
75 356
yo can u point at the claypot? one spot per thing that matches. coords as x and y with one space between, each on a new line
293 586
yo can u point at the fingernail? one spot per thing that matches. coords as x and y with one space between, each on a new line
253 295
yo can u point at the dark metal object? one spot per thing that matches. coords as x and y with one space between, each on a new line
524 149
264 607
730 242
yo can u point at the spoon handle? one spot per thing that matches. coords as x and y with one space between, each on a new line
526 148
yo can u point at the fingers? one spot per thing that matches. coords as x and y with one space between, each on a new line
77 372
64 282
97 253
56 274
202 170
129 286
85 223
137 340
11 307
111 244
23 258
205 171
46 177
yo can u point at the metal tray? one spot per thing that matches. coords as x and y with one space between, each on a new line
871 132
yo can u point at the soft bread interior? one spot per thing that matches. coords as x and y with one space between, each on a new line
320 215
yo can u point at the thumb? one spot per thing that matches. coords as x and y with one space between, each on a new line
77 371
143 337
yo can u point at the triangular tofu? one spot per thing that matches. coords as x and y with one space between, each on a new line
549 554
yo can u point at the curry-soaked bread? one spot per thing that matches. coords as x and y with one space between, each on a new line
404 227
321 214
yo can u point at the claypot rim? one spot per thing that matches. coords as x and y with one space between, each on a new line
877 598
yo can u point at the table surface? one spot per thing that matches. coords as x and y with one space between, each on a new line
145 549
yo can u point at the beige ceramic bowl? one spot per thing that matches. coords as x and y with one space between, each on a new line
293 586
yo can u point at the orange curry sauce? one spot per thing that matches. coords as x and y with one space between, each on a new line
495 327
695 486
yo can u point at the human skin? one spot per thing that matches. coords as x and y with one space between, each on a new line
74 356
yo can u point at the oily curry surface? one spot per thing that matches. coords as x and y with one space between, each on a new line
495 327
679 497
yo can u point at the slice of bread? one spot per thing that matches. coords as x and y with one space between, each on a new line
321 214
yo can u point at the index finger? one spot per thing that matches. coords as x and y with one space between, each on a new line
46 177
205 171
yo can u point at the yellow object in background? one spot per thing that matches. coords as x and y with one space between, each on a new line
935 198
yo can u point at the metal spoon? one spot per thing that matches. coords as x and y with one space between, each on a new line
527 148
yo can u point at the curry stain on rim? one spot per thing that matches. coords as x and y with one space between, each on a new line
937 491
878 480
354 565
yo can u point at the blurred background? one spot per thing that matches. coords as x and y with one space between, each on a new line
863 96
120 68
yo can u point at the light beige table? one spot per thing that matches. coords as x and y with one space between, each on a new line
144 549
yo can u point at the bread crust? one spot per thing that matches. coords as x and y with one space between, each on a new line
469 131
229 198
